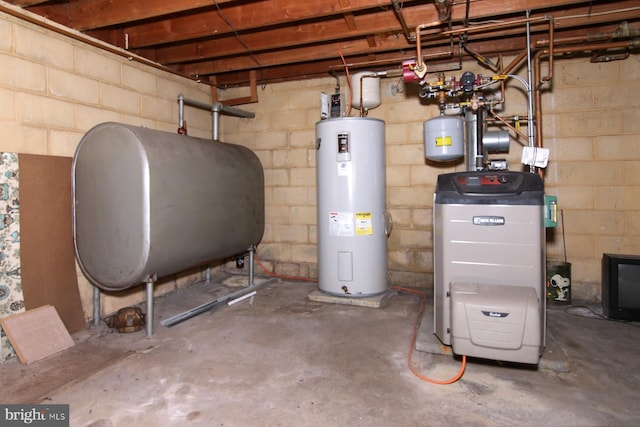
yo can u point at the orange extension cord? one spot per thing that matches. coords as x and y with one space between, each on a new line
413 343
272 274
415 325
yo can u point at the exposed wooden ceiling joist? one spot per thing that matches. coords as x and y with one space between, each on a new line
294 39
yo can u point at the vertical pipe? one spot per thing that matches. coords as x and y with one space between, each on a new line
470 140
538 100
215 125
207 274
251 250
549 76
362 112
96 306
479 163
530 129
419 66
149 283
180 111
398 9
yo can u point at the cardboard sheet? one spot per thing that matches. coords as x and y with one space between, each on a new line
36 334
46 248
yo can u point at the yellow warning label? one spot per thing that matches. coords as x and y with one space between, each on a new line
364 223
443 141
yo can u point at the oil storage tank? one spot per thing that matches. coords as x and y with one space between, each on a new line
148 203
352 221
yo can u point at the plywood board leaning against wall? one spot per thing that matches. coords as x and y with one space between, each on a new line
46 253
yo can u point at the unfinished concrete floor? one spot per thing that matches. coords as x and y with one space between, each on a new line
288 361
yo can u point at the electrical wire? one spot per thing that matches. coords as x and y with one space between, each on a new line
346 69
595 315
237 36
413 343
280 276
415 326
521 80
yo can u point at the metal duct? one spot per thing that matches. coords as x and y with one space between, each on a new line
149 203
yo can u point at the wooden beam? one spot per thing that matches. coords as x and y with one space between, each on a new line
245 17
350 21
329 30
252 98
25 3
85 15
289 56
214 89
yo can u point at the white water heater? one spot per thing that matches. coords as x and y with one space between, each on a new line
352 221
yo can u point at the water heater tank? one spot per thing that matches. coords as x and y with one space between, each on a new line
443 138
150 203
352 222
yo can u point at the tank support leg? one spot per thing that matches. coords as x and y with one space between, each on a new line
251 257
96 306
149 318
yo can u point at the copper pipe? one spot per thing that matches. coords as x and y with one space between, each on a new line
387 61
597 37
364 111
567 49
419 47
552 41
419 62
492 26
549 75
503 96
507 124
378 62
516 61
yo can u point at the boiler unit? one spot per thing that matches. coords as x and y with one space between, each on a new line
352 221
149 203
489 252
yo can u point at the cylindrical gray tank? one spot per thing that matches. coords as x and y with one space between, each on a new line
443 138
352 220
149 203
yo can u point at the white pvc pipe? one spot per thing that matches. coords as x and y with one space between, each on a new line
242 298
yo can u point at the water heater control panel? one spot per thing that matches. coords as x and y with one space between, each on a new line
344 153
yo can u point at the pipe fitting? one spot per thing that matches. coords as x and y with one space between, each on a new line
444 9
